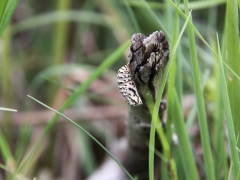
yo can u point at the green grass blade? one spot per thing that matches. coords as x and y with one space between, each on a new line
194 5
184 145
60 34
79 91
197 5
157 105
92 137
5 149
233 61
6 13
7 109
53 17
229 119
132 16
193 111
156 19
208 160
2 8
171 82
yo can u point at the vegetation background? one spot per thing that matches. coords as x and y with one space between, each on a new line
67 53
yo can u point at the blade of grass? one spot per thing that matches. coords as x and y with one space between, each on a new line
87 133
6 67
171 83
86 153
6 11
7 109
6 88
172 73
24 136
208 160
6 151
155 117
230 172
60 34
132 16
184 145
156 19
53 17
2 8
193 111
195 5
233 61
218 127
229 118
73 97
207 154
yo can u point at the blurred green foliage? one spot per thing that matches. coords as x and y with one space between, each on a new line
45 42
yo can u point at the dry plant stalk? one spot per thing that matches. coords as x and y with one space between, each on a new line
138 82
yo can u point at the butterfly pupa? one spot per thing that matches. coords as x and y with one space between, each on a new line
127 87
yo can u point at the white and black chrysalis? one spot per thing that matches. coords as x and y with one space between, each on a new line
127 87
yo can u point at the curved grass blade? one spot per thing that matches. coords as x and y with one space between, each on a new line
7 109
53 17
91 136
184 142
132 16
232 58
7 9
202 119
161 26
229 118
155 117
194 5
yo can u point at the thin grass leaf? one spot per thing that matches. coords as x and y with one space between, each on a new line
233 54
179 63
155 117
207 154
5 149
229 118
87 133
60 34
193 111
221 156
197 5
184 145
194 5
230 172
156 19
53 17
2 8
171 83
7 109
132 16
6 13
